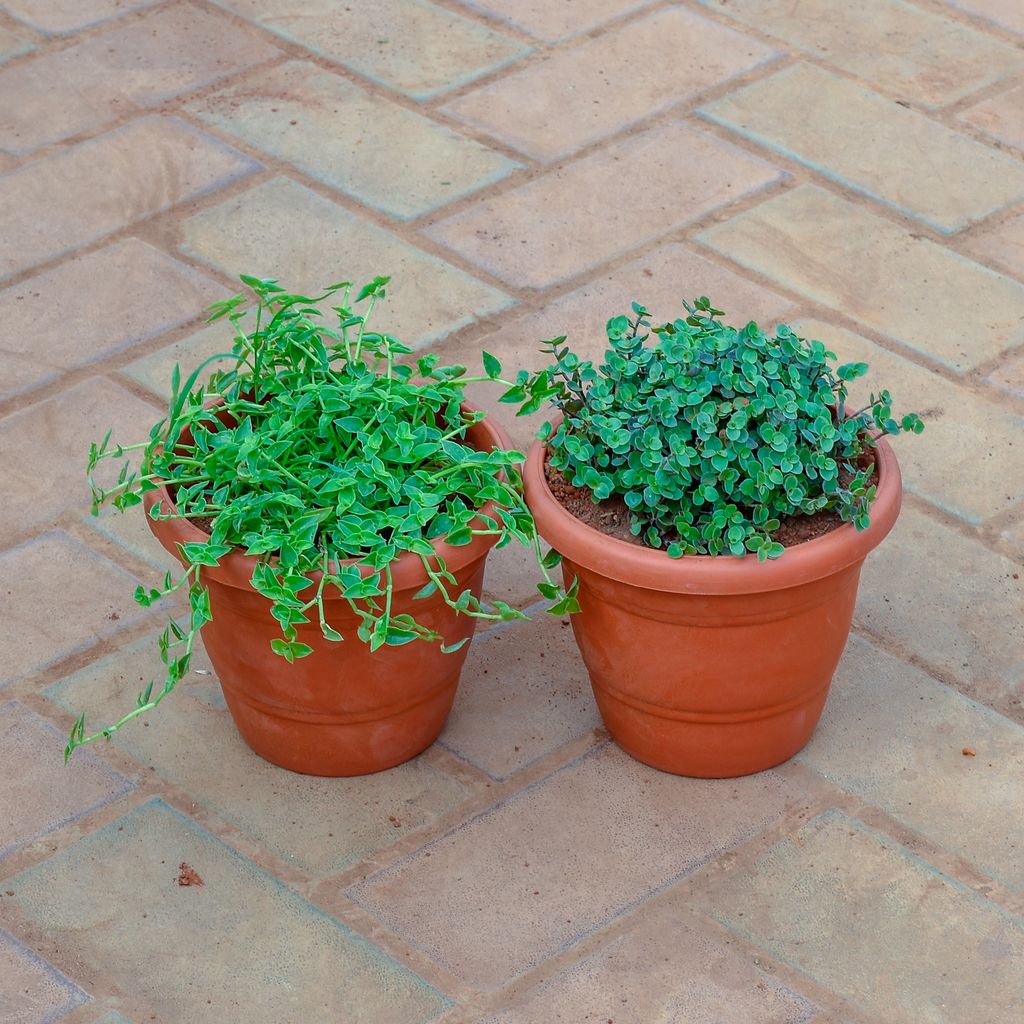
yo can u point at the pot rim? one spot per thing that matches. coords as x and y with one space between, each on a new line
235 568
652 569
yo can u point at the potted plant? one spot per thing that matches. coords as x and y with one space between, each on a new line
332 508
713 499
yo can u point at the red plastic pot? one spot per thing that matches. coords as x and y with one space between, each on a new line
341 710
711 666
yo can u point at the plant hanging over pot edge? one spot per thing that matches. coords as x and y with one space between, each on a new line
324 456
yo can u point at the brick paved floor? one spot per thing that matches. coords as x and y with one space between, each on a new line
523 168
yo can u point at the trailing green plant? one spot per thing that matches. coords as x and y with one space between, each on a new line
315 449
711 434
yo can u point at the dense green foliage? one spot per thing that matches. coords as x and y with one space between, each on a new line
711 433
315 450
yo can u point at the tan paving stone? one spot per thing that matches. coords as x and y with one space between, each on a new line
659 280
39 794
512 576
93 306
861 140
542 233
1014 536
13 43
57 597
866 918
38 489
1009 376
154 371
524 693
320 825
557 21
895 736
129 529
904 286
34 991
1001 116
970 459
510 888
282 229
1006 14
60 17
137 64
573 97
253 949
898 47
1003 245
951 602
348 139
662 970
53 205
414 46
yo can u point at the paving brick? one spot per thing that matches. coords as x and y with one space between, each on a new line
154 371
58 598
1013 535
896 47
413 46
254 949
348 138
970 459
895 736
631 980
114 298
13 43
524 693
557 21
53 205
1006 14
282 229
512 576
319 825
902 285
873 145
915 944
1003 245
1001 116
660 280
548 866
138 64
1009 376
130 530
37 489
34 992
542 233
60 17
573 97
951 602
40 795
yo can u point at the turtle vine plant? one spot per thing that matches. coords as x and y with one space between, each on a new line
317 450
709 433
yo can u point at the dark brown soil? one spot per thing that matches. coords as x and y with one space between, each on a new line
611 516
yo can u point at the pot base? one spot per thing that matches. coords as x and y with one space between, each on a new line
342 745
720 746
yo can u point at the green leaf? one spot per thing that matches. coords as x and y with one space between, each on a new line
491 365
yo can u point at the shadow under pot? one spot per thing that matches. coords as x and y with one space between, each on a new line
711 666
342 710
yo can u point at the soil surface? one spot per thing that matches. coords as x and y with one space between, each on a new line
611 516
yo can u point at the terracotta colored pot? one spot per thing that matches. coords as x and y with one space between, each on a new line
711 666
341 710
